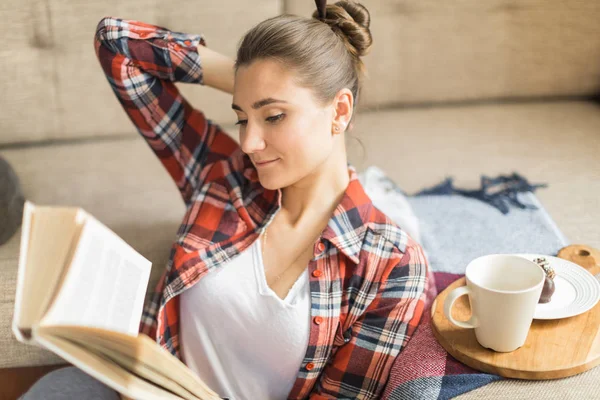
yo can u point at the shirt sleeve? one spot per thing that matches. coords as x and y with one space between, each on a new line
142 62
359 369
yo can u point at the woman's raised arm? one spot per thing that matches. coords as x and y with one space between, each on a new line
142 62
218 69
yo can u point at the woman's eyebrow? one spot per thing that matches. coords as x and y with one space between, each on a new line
259 103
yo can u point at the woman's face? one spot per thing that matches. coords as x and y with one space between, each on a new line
281 121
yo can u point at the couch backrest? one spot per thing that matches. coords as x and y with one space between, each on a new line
431 51
425 51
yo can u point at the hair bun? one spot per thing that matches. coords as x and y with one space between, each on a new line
351 19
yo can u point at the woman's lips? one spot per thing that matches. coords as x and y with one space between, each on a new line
262 164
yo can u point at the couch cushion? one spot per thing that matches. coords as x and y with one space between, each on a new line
52 79
429 51
577 387
549 142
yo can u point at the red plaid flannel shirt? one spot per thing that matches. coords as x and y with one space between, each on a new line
367 276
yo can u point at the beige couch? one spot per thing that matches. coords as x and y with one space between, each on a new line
457 88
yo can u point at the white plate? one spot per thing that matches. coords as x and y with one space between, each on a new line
577 290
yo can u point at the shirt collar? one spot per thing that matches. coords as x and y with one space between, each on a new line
348 224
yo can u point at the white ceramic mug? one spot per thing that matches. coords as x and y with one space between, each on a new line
504 291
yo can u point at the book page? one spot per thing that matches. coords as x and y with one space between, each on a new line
103 369
48 238
138 354
140 369
105 285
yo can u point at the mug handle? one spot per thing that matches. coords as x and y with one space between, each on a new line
455 294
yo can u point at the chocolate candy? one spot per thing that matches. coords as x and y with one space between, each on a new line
549 287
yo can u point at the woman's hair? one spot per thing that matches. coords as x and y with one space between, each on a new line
325 55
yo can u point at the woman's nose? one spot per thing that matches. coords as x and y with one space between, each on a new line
251 139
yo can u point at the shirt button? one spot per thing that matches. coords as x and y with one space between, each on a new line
321 247
317 272
318 320
310 366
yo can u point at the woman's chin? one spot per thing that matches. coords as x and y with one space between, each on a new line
270 184
270 178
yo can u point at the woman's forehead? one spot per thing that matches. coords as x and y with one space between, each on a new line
266 73
263 80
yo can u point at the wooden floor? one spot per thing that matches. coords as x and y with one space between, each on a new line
16 381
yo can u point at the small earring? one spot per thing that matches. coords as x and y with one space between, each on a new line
337 128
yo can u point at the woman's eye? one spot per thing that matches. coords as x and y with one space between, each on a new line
275 118
270 119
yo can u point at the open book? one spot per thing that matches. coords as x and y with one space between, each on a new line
80 294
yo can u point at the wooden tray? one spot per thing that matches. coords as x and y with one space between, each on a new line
553 349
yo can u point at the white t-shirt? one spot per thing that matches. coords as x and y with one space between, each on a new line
239 336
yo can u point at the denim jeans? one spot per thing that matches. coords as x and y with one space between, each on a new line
69 383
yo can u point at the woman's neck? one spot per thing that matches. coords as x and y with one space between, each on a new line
316 196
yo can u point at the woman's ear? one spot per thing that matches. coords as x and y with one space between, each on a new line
342 104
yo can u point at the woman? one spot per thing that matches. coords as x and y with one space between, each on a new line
284 281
